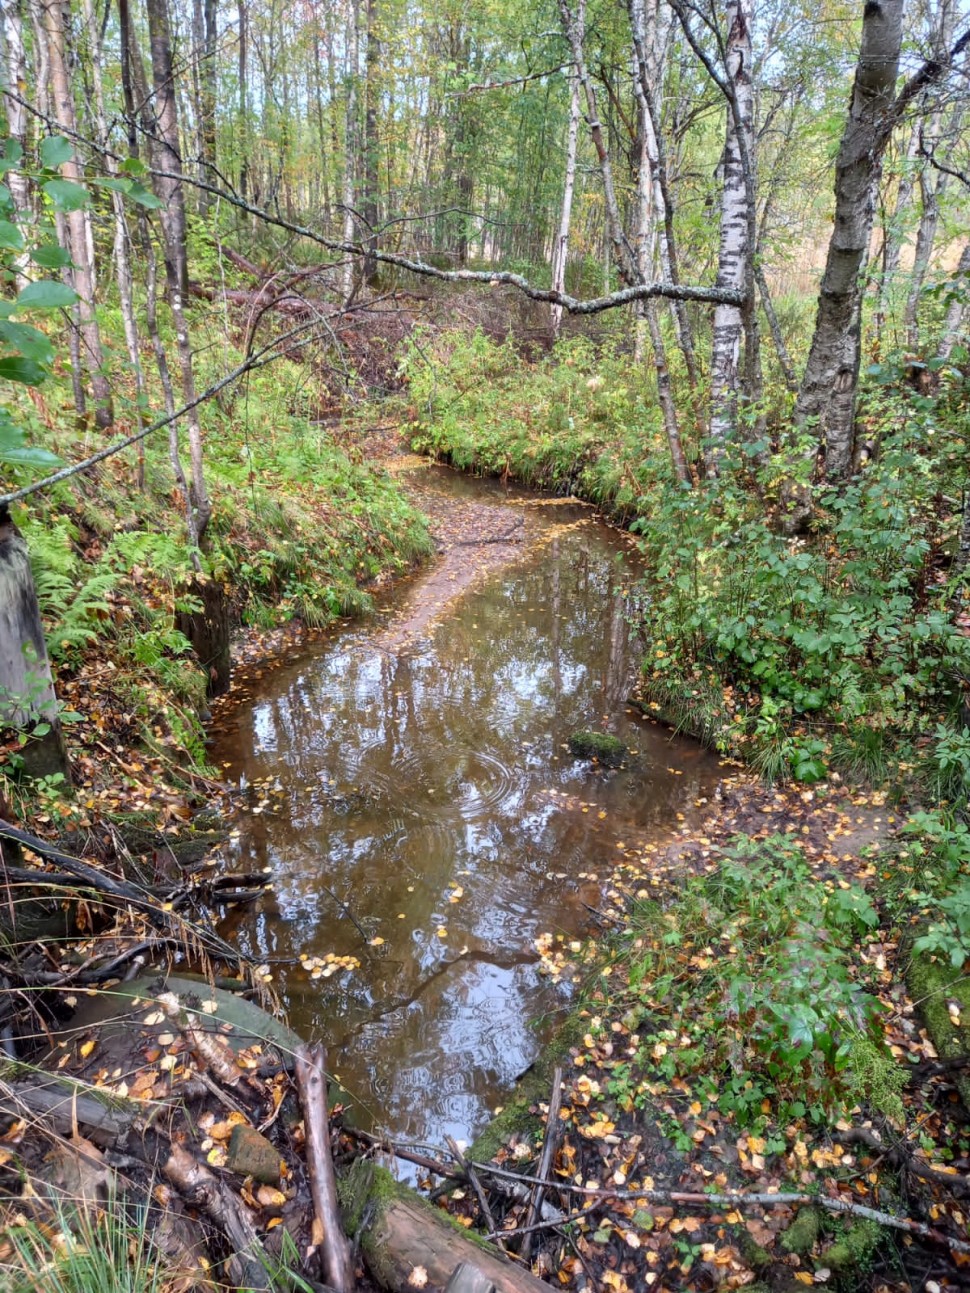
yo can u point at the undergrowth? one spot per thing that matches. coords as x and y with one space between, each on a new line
746 991
836 651
300 526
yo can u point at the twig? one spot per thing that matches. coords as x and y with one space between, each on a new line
476 1185
549 1141
901 1156
737 1199
311 1081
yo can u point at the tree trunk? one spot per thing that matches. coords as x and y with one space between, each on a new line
350 139
176 260
121 238
166 144
932 192
734 258
370 209
560 249
646 251
27 701
51 24
15 68
575 30
827 396
648 42
957 309
243 119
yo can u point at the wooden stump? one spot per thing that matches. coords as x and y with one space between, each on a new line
27 700
401 1233
209 630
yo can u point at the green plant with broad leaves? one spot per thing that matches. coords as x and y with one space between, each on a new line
748 982
29 247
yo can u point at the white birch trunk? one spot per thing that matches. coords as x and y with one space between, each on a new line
932 192
734 257
560 248
51 25
15 78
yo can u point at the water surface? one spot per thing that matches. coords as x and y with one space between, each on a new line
426 818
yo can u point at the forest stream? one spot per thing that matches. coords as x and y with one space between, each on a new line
409 786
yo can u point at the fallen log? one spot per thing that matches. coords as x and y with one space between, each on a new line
66 1105
311 1081
400 1234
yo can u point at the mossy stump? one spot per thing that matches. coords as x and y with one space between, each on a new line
400 1232
601 746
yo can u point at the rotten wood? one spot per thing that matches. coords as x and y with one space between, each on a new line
400 1232
249 1265
311 1081
550 1140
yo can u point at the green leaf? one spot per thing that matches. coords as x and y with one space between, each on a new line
27 340
46 294
12 150
18 368
66 195
134 190
51 256
13 449
10 236
134 166
55 150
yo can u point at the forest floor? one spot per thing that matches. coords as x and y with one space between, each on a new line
644 1117
635 1125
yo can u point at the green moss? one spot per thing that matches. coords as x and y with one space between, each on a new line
801 1235
931 984
609 750
364 1192
854 1250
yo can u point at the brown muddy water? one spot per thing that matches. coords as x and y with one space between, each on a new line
412 773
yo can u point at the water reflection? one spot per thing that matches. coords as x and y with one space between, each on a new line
429 790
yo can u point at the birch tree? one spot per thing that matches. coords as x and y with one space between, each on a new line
50 17
827 396
560 248
734 254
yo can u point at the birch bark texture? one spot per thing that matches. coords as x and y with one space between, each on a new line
52 30
827 397
734 253
560 250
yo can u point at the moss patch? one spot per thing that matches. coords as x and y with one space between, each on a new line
931 984
608 750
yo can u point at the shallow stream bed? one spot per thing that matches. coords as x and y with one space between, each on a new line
411 790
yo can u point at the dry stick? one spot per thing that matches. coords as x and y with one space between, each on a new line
549 1142
311 1081
122 890
738 1199
494 1232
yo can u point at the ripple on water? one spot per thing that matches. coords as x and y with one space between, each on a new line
430 790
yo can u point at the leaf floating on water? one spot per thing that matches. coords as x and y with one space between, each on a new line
377 942
418 1277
